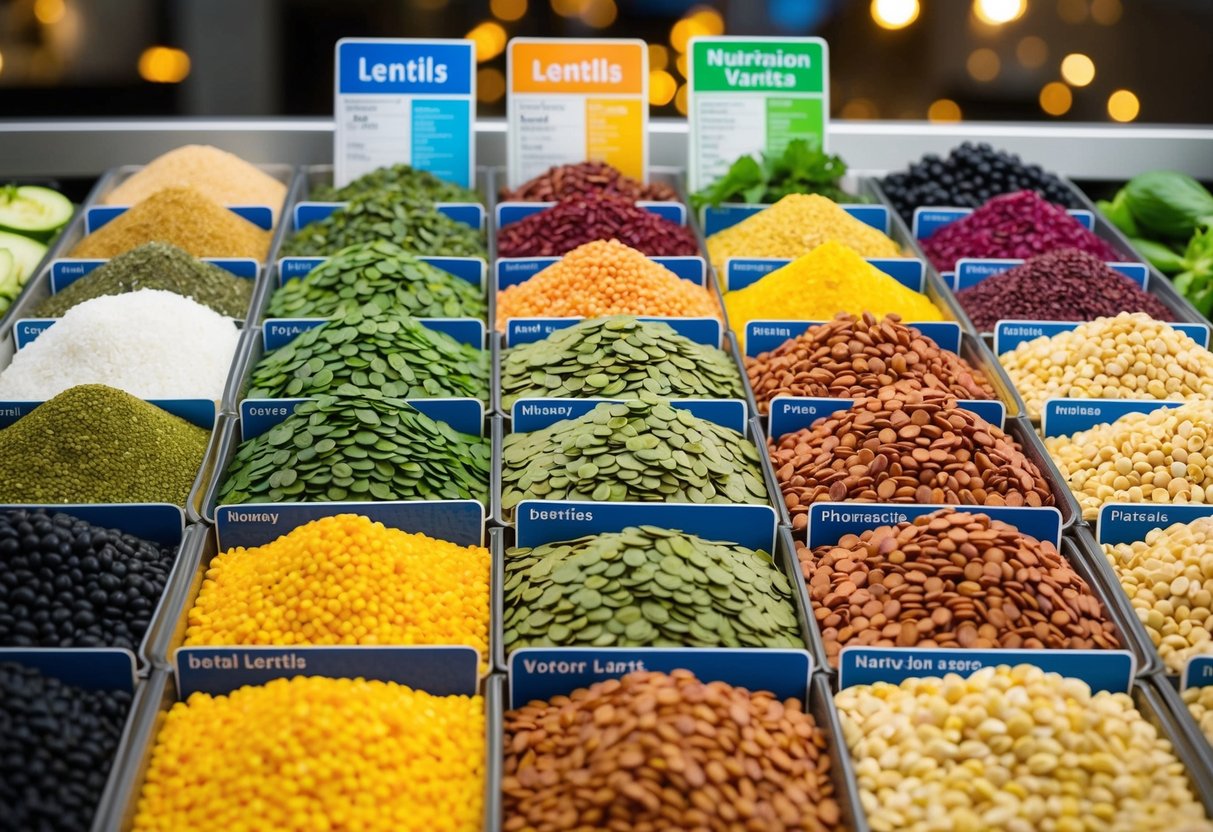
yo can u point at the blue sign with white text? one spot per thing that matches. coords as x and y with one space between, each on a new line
200 412
462 414
1063 417
1109 670
929 219
471 269
403 66
764 336
528 330
468 213
1131 522
536 414
791 413
65 272
549 521
95 217
510 271
255 524
830 522
545 672
278 332
509 213
1198 673
442 671
1010 334
969 271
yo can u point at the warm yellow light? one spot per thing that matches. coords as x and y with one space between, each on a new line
599 14
894 14
684 30
710 19
1032 52
943 110
569 8
490 84
662 87
49 12
1123 106
1106 12
1056 98
489 38
507 9
659 56
1072 11
983 64
1 62
998 12
859 108
1077 69
680 63
164 65
680 99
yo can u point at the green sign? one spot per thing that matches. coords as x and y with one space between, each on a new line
752 95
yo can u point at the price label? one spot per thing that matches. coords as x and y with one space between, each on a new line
576 99
405 101
750 95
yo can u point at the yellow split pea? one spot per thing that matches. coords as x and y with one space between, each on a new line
345 580
318 754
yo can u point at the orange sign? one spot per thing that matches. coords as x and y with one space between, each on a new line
577 66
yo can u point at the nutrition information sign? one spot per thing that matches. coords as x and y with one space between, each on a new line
577 99
747 95
404 101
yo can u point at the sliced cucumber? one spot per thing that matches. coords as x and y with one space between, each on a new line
27 253
33 211
10 286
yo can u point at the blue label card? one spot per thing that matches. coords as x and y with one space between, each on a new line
200 412
741 272
929 219
969 271
764 336
1010 334
1198 673
791 413
309 211
471 269
830 522
278 332
728 214
292 268
160 523
27 330
510 271
406 101
509 213
95 217
549 521
66 272
1063 417
708 331
536 414
256 524
1131 522
442 671
92 668
462 414
1110 670
545 672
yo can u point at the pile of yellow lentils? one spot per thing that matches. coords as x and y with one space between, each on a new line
345 580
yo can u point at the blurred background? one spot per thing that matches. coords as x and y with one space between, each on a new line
944 60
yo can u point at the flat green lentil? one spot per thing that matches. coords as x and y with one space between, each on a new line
412 223
156 266
381 273
646 587
357 445
389 351
617 357
642 450
403 178
95 444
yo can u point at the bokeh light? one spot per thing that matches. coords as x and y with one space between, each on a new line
1056 98
894 14
999 12
1123 106
983 64
1077 69
489 38
164 65
507 9
662 87
1032 52
943 110
490 84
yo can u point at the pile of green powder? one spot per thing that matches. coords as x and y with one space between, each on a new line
95 444
156 266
